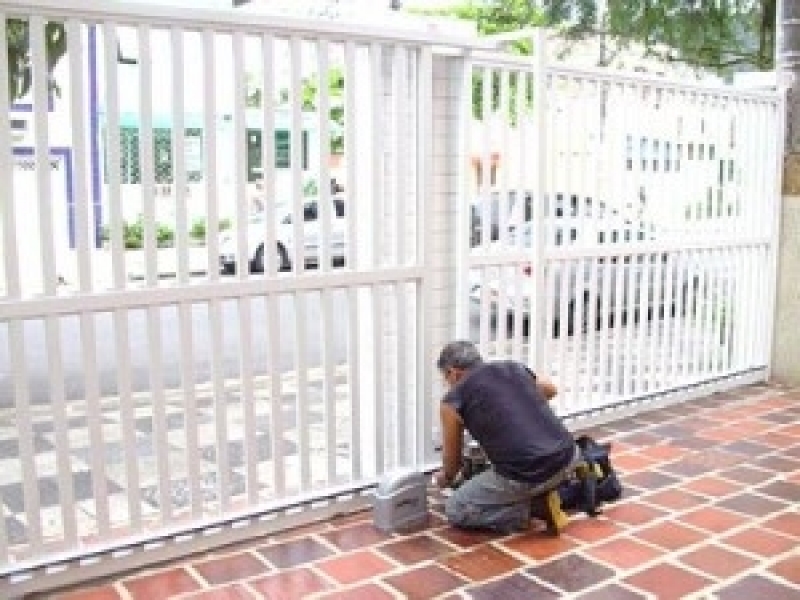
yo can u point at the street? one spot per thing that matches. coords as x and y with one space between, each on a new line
38 369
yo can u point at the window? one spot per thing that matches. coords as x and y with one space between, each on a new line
283 152
163 163
667 156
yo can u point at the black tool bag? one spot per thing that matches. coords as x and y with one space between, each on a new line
594 483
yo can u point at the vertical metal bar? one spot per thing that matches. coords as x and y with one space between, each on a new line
775 176
539 259
220 404
400 150
328 379
7 200
41 95
424 214
485 207
403 398
57 398
765 148
522 193
161 445
379 346
94 417
302 400
325 200
127 417
83 215
27 453
272 307
353 360
462 242
351 151
296 144
378 150
240 143
146 152
268 173
210 152
113 160
179 177
190 401
247 398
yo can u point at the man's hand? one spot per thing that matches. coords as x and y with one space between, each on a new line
440 479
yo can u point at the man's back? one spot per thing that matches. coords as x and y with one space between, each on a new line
503 409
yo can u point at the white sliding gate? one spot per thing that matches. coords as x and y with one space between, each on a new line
153 405
629 224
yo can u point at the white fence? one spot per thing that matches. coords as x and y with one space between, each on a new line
153 404
656 230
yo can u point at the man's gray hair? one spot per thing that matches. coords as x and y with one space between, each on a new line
461 354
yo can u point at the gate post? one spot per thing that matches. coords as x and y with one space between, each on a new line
786 324
448 212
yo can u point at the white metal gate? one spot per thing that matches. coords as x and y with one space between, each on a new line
151 400
622 232
152 405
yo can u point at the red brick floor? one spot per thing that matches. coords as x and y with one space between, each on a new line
711 510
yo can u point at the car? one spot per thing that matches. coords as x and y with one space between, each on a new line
622 287
284 238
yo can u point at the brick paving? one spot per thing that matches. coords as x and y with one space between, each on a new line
711 510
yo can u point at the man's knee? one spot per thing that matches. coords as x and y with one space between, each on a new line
457 511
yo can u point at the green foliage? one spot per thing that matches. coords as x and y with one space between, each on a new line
491 18
20 68
719 35
198 229
133 234
165 235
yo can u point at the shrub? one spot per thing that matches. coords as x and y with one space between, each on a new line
198 229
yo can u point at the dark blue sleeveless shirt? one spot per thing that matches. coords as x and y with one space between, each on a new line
504 411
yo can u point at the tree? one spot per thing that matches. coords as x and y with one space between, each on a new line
20 67
718 35
492 18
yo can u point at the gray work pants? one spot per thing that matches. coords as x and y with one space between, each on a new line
490 501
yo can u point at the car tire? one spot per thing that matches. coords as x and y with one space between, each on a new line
283 259
257 265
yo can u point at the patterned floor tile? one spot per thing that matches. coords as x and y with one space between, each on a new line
751 504
515 587
484 562
414 549
668 582
425 582
163 584
231 568
670 535
717 561
761 542
788 569
295 552
538 547
356 536
355 566
369 591
290 585
611 592
624 552
757 587
571 573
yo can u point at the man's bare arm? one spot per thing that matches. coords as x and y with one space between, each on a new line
452 441
546 387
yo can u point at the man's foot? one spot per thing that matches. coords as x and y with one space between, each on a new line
547 507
